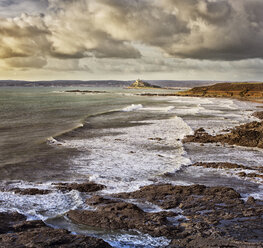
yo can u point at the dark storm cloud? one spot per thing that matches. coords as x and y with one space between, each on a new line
75 29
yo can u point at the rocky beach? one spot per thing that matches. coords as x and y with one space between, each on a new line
168 210
91 157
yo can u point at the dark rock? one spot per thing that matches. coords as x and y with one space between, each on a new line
157 139
18 233
48 237
216 214
258 114
122 215
250 135
85 91
251 200
221 165
31 191
84 187
98 200
7 220
169 196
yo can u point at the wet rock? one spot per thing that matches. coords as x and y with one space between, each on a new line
157 139
31 191
250 135
258 114
250 175
251 200
169 196
200 136
98 200
7 220
123 215
209 240
18 233
214 214
84 187
221 165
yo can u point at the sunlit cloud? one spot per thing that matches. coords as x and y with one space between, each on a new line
35 34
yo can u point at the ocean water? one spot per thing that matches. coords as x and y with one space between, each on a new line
118 139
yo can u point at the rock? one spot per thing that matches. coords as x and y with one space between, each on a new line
258 114
250 135
139 84
221 165
250 175
37 234
251 200
84 187
98 200
85 91
241 174
31 191
212 239
157 139
169 196
7 220
214 214
123 215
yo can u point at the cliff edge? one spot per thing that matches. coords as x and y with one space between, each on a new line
246 91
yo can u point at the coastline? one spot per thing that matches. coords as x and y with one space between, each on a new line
187 216
240 91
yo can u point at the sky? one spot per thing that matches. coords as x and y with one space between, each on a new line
129 39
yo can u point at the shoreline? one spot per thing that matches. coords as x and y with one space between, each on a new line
188 216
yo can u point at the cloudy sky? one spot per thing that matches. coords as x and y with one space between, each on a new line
127 39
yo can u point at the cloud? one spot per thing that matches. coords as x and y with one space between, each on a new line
223 30
13 8
29 62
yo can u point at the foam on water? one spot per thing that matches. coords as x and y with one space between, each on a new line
53 141
39 206
132 107
158 109
137 241
134 157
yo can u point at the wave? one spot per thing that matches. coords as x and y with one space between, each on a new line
140 152
53 141
132 107
159 109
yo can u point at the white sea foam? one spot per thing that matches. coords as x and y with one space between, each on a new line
158 109
135 157
53 141
132 107
41 206
139 240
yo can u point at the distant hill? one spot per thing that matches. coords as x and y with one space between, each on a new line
65 83
246 91
103 83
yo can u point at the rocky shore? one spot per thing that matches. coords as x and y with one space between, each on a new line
191 216
195 216
249 135
15 231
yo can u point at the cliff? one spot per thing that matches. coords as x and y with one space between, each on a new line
246 91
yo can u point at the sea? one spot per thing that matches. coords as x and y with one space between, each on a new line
115 137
